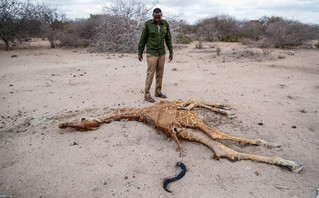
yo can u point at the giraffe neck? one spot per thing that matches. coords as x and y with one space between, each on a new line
121 114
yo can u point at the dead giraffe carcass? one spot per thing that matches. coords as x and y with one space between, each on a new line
176 119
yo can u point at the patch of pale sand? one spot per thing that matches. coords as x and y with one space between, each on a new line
41 87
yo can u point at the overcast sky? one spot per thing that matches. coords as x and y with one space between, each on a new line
305 11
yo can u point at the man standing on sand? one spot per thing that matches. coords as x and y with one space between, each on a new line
154 33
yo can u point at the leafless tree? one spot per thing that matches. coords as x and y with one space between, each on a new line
120 27
17 21
206 30
133 10
176 24
115 34
52 20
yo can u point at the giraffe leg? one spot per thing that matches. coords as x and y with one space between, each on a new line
221 150
217 135
215 107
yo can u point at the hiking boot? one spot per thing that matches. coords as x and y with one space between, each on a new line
149 99
161 96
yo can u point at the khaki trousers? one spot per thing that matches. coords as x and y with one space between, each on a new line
154 64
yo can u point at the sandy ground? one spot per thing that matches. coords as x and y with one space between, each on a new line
41 87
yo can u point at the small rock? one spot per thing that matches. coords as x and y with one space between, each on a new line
294 127
260 123
303 111
73 143
282 187
95 188
248 168
257 173
281 57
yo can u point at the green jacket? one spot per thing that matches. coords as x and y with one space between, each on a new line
154 38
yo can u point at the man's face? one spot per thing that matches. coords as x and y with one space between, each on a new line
157 17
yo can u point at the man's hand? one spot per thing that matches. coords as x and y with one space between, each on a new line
140 58
170 57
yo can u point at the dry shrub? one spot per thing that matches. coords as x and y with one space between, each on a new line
117 30
285 34
252 30
120 28
69 40
79 33
215 28
116 34
183 39
85 29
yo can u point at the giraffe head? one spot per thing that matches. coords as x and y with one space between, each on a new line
83 124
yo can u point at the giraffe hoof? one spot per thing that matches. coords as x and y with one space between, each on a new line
216 157
278 147
231 114
297 167
222 106
62 125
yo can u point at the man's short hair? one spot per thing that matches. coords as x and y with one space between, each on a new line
157 11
